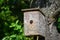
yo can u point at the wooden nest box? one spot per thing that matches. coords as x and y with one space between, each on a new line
34 22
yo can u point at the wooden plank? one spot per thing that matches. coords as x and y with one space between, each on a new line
38 25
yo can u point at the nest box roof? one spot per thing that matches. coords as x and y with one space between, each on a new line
32 9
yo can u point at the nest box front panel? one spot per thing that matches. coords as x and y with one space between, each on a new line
31 23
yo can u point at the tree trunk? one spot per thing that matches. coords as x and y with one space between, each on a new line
49 7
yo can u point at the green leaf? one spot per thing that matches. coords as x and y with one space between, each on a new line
18 26
1 1
12 36
58 19
17 21
12 25
21 30
59 25
6 38
6 24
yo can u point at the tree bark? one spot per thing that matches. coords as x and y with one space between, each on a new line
49 8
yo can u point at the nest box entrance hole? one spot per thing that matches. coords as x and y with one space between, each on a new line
31 21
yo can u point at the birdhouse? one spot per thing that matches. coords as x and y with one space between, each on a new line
34 22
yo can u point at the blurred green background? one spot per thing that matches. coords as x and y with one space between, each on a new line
11 19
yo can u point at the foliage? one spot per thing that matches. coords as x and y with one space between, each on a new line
11 19
16 34
58 23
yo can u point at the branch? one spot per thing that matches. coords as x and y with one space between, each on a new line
56 12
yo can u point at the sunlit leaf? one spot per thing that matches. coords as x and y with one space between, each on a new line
17 21
13 36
